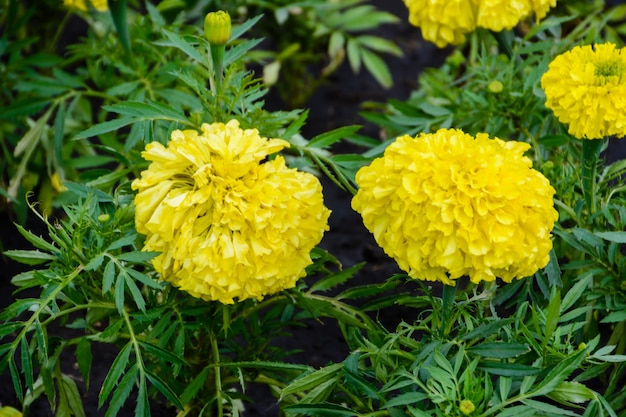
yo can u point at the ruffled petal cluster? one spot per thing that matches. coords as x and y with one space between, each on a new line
585 87
230 222
447 205
83 5
446 22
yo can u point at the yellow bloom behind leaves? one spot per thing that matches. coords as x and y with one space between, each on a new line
586 88
445 205
100 5
229 223
446 22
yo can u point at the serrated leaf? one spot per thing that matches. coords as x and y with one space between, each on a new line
134 291
94 263
321 410
328 138
69 390
164 389
571 392
311 380
115 372
122 392
144 279
335 279
180 43
162 354
194 386
108 277
508 369
84 359
35 240
29 257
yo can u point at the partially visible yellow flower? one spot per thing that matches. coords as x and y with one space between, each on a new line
57 183
446 22
586 88
467 407
7 411
447 205
443 22
230 222
100 5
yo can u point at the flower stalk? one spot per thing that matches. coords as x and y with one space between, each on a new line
590 156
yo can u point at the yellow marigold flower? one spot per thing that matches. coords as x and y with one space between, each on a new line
498 15
443 22
446 205
100 5
585 88
230 222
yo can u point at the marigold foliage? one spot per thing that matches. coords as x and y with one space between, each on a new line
83 5
230 222
446 205
446 22
586 88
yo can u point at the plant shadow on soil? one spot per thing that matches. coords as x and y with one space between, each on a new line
316 343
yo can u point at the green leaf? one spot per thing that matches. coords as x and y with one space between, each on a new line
328 138
321 410
119 291
84 359
27 363
134 291
36 241
162 354
137 256
575 293
311 380
548 408
149 110
508 369
499 350
615 317
571 392
94 263
144 279
338 278
377 67
408 398
486 329
164 389
378 44
29 257
118 10
122 392
559 373
105 127
180 43
108 277
69 390
115 372
194 386
618 237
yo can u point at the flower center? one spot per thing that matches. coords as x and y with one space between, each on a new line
606 70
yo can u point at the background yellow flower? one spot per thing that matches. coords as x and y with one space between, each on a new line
585 88
445 205
229 223
100 5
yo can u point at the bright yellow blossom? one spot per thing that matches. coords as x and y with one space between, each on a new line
100 5
230 222
586 88
446 22
446 205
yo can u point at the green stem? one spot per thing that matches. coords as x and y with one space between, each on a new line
591 156
217 56
218 375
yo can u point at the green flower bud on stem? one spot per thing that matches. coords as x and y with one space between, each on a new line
217 27
217 30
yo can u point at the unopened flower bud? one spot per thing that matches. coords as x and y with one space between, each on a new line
495 86
467 407
217 27
103 218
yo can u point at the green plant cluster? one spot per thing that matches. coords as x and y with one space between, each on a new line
73 126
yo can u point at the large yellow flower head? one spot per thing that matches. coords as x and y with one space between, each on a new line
100 5
447 205
230 222
445 22
586 88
